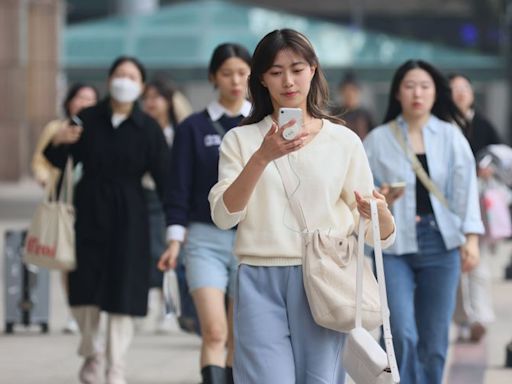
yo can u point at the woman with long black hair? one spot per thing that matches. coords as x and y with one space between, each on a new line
437 218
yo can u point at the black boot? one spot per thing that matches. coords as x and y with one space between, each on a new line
213 374
229 376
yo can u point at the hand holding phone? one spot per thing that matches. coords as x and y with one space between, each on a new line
69 132
75 121
287 114
393 191
397 187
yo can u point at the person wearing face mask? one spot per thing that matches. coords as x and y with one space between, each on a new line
209 261
117 145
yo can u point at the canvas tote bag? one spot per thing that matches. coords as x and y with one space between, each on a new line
329 270
50 241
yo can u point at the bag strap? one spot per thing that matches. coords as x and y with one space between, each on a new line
51 193
416 165
381 280
67 182
218 126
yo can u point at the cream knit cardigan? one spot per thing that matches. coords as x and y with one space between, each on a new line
329 168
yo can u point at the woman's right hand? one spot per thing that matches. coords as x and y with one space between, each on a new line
67 134
275 146
169 258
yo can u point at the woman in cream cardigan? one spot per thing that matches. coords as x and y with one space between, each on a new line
276 338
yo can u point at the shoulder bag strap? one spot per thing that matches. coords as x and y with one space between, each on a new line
359 271
218 126
67 183
416 165
379 264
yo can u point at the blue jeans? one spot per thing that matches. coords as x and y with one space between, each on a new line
276 339
421 290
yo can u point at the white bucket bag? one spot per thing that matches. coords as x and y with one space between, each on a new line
333 281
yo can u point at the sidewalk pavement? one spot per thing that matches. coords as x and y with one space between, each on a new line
29 357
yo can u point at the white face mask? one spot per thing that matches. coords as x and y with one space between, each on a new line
124 90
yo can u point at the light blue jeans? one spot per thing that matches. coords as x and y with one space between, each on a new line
276 339
421 290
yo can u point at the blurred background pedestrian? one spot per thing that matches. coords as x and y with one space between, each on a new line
437 217
474 300
78 97
159 101
351 109
117 144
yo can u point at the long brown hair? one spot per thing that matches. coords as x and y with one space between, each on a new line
263 58
165 89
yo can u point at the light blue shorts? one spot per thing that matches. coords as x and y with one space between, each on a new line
209 258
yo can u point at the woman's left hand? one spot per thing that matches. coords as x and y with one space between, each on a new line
469 253
386 223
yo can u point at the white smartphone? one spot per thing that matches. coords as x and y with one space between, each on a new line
287 114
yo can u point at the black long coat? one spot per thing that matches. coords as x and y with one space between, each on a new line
112 231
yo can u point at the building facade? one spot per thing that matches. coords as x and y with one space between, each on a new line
29 42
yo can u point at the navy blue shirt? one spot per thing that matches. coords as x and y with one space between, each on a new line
195 160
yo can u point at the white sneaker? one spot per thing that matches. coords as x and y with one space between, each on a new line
71 327
167 324
148 323
464 333
90 373
115 375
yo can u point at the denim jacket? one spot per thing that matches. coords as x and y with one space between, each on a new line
451 167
